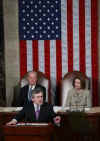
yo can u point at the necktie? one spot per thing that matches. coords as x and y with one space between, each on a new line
37 112
30 94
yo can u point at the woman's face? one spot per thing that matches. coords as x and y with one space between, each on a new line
77 84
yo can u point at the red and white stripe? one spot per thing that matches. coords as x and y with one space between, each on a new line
77 49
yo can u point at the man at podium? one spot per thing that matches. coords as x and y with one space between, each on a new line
36 111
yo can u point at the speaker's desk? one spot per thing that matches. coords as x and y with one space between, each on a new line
65 130
29 132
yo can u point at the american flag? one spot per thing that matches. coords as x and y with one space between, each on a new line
59 36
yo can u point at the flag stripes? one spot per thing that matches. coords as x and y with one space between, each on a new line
82 35
88 37
94 50
35 54
76 56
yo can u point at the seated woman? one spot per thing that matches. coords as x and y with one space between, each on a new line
78 95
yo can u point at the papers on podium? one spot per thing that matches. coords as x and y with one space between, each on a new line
32 124
10 109
65 109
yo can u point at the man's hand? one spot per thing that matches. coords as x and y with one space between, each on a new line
12 122
57 120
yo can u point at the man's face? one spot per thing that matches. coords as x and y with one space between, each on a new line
32 78
38 98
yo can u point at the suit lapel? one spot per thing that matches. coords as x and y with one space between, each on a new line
32 113
41 112
26 91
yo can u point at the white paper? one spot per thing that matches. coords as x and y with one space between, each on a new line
31 124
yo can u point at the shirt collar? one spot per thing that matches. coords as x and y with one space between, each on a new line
32 86
35 106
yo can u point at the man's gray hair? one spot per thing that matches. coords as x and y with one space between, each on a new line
28 73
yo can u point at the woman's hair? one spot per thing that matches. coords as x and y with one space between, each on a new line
82 82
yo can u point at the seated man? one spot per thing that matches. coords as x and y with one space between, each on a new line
26 91
37 111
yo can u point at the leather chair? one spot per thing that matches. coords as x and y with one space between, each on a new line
42 80
66 84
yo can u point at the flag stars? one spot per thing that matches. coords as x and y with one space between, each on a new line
28 23
48 36
32 36
40 19
40 2
48 27
35 14
52 31
36 23
28 15
57 36
36 31
40 10
48 10
24 28
40 36
23 2
32 10
23 19
44 14
28 32
35 6
48 2
52 14
44 23
32 19
40 27
56 1
56 19
32 27
31 2
27 6
23 10
44 6
48 19
44 31
57 27
24 36
56 10
52 23
52 6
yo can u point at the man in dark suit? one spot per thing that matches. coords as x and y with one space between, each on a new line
37 111
25 92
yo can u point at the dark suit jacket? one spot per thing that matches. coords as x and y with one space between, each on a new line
27 114
23 95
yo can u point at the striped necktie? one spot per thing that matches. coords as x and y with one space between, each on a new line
30 94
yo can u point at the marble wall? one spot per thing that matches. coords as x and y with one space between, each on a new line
11 47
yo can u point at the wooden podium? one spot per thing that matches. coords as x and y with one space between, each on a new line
26 132
45 133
